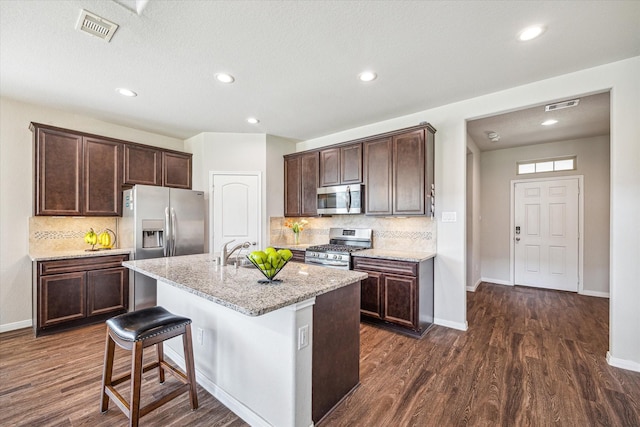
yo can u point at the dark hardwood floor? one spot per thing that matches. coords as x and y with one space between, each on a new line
531 357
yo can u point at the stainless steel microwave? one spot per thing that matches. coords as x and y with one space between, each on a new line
341 199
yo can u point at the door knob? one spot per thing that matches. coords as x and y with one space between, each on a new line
517 239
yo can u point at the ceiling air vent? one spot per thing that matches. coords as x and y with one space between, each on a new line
96 26
561 105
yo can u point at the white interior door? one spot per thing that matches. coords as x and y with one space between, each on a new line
546 234
235 209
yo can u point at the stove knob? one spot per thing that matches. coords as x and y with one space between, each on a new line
325 256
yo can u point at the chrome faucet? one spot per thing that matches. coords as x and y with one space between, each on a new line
224 256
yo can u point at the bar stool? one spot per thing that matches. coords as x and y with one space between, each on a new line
135 331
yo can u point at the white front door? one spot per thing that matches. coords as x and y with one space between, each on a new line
235 209
546 234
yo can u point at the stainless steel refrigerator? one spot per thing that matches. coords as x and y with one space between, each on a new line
159 222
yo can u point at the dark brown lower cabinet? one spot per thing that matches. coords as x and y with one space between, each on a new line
78 291
397 294
336 349
298 254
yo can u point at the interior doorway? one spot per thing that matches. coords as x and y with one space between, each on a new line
546 229
235 206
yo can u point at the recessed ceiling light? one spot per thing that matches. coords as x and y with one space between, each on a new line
530 33
126 92
224 78
253 120
549 122
367 76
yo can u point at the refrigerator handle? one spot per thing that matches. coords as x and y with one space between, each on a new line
167 237
174 232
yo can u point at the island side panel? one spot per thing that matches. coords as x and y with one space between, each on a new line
336 348
251 364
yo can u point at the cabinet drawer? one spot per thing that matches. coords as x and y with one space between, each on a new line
386 266
80 264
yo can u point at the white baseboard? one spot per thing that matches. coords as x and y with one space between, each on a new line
594 294
629 365
225 398
16 325
475 286
449 324
496 281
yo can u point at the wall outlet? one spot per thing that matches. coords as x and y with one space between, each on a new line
200 336
303 337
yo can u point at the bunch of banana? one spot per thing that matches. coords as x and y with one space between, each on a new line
91 237
270 261
104 239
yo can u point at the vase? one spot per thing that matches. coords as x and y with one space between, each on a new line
296 238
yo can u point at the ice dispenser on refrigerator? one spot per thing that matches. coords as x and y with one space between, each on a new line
152 234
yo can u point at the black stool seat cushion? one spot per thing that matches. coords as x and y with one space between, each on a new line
146 323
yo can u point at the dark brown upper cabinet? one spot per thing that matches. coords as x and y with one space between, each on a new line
351 164
58 172
76 174
378 177
341 165
176 170
397 169
330 167
398 173
102 177
152 166
301 178
142 165
408 173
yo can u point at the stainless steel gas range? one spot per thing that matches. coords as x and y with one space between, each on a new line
337 253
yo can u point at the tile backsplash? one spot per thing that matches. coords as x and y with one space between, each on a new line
48 233
408 233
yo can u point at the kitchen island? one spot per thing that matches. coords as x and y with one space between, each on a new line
280 354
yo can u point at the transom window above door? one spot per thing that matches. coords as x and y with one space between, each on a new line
547 165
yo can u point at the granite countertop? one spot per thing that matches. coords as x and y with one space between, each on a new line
413 256
238 288
294 247
52 255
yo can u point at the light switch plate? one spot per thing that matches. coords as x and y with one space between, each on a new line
449 217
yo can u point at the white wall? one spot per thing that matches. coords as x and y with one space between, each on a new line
16 193
499 168
276 148
247 152
450 121
474 206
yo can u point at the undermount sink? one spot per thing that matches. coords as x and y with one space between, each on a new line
240 262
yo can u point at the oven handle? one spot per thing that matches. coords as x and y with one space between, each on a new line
326 264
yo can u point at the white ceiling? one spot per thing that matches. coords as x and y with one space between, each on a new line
591 117
295 62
